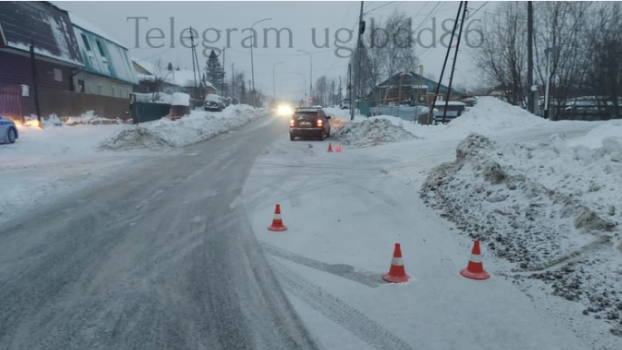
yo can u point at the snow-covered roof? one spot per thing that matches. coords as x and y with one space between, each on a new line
47 25
79 22
105 57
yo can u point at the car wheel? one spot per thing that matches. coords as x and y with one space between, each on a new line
11 135
321 135
292 137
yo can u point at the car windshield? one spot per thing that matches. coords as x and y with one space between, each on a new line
349 175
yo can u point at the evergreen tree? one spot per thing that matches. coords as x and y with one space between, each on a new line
214 70
169 67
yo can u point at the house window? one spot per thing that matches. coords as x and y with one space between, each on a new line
100 48
81 86
86 43
58 74
100 89
114 91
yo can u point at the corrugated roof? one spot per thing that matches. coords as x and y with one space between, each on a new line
48 26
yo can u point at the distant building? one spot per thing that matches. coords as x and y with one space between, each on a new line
108 69
413 87
50 30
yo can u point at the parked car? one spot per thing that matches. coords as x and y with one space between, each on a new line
309 121
8 131
214 103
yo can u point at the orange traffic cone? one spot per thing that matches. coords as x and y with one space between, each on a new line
330 147
475 268
397 273
338 148
277 222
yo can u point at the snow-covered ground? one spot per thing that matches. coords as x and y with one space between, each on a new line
346 210
64 158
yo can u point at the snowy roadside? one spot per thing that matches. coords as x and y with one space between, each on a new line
344 213
63 158
198 126
553 209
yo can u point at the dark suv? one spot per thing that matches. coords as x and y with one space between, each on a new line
309 121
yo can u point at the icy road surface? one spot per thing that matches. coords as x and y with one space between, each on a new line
159 258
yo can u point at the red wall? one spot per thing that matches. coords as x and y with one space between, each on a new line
16 70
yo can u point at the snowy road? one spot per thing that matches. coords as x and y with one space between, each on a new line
161 258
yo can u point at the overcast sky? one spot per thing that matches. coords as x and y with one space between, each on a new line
299 17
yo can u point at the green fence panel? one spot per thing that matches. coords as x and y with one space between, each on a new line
143 112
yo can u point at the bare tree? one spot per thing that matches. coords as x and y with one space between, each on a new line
161 74
502 57
561 24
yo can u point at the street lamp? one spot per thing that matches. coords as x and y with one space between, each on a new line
252 63
281 86
310 72
548 52
273 83
304 84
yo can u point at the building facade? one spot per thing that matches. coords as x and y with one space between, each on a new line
108 69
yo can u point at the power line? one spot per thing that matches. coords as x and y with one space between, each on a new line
379 7
157 54
479 8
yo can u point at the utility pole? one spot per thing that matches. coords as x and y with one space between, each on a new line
252 62
451 40
350 90
223 72
34 80
531 101
360 48
453 65
339 99
232 82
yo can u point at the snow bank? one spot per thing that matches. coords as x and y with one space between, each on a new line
371 132
196 127
90 118
492 114
553 209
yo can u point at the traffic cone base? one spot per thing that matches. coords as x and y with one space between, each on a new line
277 228
277 222
397 272
475 267
475 275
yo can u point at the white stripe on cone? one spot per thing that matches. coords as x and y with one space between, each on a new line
277 216
476 258
397 262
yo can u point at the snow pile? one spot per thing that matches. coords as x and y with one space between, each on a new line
49 121
196 127
553 209
372 132
90 118
492 114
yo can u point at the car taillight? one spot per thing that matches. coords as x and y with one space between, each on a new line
291 122
319 122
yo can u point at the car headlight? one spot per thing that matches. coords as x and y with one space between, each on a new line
285 110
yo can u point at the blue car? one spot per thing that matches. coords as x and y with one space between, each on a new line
8 131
